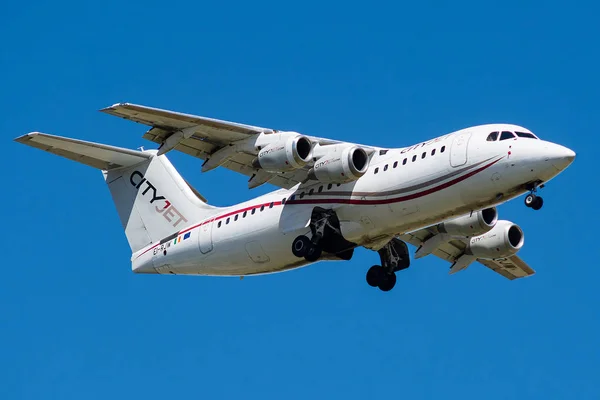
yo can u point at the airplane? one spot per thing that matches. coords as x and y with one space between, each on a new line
440 196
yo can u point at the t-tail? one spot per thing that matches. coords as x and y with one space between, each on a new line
152 199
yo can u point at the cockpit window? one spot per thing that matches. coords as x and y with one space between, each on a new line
526 135
492 137
506 135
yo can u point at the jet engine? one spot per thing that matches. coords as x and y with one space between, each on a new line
291 151
504 240
340 164
473 224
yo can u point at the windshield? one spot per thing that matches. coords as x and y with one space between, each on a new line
526 135
492 137
506 135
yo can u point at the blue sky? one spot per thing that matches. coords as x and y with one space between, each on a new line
76 323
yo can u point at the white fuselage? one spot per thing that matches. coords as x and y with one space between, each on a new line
403 190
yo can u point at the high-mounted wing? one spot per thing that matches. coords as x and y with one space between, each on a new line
512 267
223 143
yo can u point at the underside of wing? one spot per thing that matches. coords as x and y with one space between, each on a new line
512 267
203 135
95 155
217 142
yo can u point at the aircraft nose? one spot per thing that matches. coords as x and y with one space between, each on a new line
561 157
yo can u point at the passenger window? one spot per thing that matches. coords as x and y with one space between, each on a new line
262 207
443 149
377 170
219 224
320 189
433 152
526 135
423 155
244 214
227 222
385 168
338 184
302 195
404 161
311 191
329 186
414 158
492 137
236 217
253 211
506 135
395 164
271 205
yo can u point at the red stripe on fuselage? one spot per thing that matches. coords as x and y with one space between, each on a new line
396 199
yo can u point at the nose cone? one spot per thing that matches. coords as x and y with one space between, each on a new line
560 156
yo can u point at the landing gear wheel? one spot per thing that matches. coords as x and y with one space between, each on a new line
313 252
538 203
373 275
301 245
387 282
530 200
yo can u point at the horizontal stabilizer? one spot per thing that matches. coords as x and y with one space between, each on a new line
96 155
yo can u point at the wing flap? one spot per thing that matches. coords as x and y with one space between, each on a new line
95 155
511 268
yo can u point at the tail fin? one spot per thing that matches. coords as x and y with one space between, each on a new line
152 199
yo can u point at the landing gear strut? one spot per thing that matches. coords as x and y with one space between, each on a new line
532 200
326 236
394 257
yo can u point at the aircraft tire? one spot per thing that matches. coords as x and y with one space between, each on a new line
373 275
313 252
387 282
301 245
530 200
538 203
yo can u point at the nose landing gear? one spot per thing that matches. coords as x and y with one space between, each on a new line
532 200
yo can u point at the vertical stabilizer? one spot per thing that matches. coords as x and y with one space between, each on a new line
153 200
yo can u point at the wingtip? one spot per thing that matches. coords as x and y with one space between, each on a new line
113 107
27 136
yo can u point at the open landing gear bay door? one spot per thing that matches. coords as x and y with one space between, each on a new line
510 267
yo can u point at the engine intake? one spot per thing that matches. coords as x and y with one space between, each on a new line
473 224
340 164
286 154
504 240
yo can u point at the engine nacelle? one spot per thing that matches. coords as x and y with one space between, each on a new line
504 240
473 224
340 164
289 152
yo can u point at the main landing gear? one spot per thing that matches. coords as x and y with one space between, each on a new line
303 247
326 237
394 257
532 200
